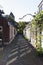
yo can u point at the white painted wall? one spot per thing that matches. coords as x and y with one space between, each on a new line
28 33
15 31
11 31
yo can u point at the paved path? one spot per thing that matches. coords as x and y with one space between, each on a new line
20 53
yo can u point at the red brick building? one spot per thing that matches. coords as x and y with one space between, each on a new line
6 30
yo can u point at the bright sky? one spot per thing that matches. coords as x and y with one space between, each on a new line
20 7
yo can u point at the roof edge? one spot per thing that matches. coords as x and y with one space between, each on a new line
40 3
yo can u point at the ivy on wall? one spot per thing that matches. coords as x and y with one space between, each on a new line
37 28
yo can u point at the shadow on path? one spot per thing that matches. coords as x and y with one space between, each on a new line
21 54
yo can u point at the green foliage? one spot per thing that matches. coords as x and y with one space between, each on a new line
38 19
11 19
37 23
25 38
21 26
39 51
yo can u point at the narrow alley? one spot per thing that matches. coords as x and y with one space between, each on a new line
19 52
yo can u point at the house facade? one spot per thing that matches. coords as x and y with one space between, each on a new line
35 34
27 31
40 6
30 33
7 30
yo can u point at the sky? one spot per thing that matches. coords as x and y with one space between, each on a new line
20 7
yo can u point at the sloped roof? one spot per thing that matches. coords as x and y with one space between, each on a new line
40 3
13 23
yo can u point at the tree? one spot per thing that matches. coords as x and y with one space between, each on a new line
21 26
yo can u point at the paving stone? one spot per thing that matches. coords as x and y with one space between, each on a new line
20 52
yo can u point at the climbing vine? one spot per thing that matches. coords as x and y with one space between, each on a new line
37 27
